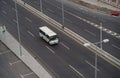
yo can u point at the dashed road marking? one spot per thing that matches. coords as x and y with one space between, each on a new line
96 25
92 65
116 46
4 12
90 32
14 62
25 75
4 52
13 9
118 36
14 21
69 20
50 49
50 10
76 71
65 45
28 19
31 34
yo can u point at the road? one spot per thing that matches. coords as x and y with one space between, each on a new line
72 20
66 60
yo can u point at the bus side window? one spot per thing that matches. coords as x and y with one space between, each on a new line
42 32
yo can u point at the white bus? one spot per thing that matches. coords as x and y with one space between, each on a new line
48 35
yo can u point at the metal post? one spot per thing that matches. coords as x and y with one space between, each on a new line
101 35
62 14
95 65
18 28
41 6
100 47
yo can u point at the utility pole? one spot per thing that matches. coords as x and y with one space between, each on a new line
17 21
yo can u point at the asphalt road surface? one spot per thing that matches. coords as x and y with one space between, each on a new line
68 59
53 9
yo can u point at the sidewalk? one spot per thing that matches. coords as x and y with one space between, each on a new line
12 66
97 5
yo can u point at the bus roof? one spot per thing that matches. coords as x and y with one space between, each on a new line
48 31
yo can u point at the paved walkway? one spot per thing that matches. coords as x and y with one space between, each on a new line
11 66
101 4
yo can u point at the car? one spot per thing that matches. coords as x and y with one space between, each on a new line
114 13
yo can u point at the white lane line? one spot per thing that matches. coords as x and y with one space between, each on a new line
31 34
68 20
91 23
95 25
28 74
76 71
15 62
4 52
118 36
4 2
14 21
28 19
114 34
116 46
4 12
50 49
65 45
92 65
90 32
50 10
13 9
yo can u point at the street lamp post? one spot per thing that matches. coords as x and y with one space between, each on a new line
17 21
62 14
41 6
101 41
88 44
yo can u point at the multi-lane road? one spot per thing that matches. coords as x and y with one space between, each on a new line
74 20
68 59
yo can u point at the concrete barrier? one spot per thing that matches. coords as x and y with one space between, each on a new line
27 58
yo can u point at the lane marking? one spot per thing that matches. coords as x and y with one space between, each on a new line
31 34
65 45
4 2
14 62
68 20
92 65
116 46
4 12
28 19
90 32
76 71
50 49
118 36
95 25
28 74
14 21
50 10
4 52
13 9
113 33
